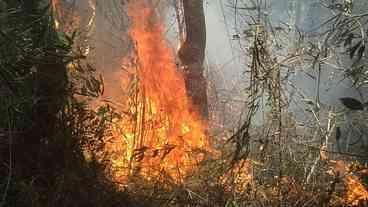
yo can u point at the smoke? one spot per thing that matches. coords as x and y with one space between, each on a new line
225 57
304 16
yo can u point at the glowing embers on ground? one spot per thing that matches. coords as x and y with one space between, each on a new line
355 192
240 176
159 133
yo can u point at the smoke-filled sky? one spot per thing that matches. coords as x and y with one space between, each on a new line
306 16
222 49
223 52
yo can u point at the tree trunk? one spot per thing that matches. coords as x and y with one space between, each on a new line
192 53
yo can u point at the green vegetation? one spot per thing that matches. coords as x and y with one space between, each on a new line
51 138
44 124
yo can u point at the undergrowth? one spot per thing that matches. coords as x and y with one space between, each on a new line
51 138
46 125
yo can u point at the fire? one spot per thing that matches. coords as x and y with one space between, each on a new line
161 134
64 20
356 192
55 5
240 176
56 8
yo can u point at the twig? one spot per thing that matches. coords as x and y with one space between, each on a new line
10 173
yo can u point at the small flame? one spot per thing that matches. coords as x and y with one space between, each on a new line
57 9
161 135
57 24
65 21
356 192
55 4
239 176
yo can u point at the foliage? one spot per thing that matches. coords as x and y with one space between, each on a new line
46 126
51 138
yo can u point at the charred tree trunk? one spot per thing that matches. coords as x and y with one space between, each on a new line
192 53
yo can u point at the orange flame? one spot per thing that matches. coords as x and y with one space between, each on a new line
63 20
162 134
58 12
356 192
55 4
239 176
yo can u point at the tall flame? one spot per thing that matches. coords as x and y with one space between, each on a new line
161 134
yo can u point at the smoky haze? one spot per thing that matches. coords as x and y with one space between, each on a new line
305 16
225 55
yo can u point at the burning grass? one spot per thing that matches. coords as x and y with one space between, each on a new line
160 132
159 149
357 193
